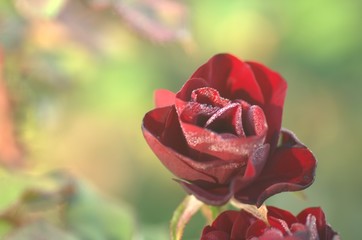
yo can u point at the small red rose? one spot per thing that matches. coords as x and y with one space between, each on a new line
310 224
221 134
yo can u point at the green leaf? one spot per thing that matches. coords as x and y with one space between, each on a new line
182 216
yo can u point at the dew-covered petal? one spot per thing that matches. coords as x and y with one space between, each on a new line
274 89
290 168
224 146
154 131
232 77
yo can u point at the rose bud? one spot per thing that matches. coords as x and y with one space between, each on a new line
221 134
310 224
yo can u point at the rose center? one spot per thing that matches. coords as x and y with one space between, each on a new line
207 109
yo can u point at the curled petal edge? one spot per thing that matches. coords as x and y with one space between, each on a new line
302 164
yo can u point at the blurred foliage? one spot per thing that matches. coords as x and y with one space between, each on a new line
58 206
80 74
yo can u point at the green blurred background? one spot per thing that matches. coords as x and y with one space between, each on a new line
81 75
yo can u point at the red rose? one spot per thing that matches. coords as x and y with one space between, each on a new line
219 134
310 224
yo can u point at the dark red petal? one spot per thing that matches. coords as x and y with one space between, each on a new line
256 229
219 170
225 221
216 235
317 212
288 217
227 120
290 168
155 120
274 88
207 229
233 78
241 225
279 224
324 230
197 114
192 84
153 126
183 97
275 234
298 227
211 196
209 96
253 168
254 121
172 135
227 147
164 98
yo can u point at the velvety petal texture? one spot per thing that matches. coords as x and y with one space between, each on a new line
219 134
310 224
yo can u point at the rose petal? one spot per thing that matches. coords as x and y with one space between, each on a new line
215 197
207 229
278 213
216 235
163 134
184 96
317 213
164 98
241 224
253 168
219 170
254 121
227 120
256 229
324 230
298 227
274 88
279 224
274 234
197 114
233 78
155 120
225 221
153 126
209 96
172 133
224 146
290 168
192 84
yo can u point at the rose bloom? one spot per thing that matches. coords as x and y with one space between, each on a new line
310 224
221 134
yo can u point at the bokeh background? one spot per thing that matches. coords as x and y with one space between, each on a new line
79 75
